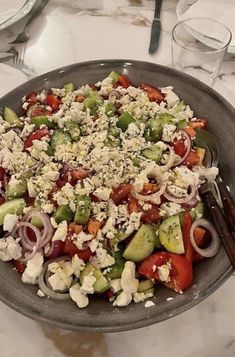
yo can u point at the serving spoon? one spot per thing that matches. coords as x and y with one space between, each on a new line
207 141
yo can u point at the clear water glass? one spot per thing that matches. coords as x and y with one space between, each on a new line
199 46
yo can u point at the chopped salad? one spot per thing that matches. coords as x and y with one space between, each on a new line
99 191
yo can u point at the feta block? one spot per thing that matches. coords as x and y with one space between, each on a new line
33 269
123 299
9 222
78 297
10 249
61 232
129 283
88 284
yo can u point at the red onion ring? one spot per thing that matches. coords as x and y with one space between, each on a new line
181 200
192 203
154 197
213 249
188 146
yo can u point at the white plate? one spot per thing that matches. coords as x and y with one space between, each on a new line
184 5
13 11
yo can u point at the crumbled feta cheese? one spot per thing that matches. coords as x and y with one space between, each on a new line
40 293
93 244
133 223
103 258
139 297
9 222
171 208
185 177
88 284
115 285
10 249
128 281
149 304
80 239
168 132
27 130
103 193
61 232
123 299
33 269
169 299
53 222
164 272
60 280
78 297
170 97
78 265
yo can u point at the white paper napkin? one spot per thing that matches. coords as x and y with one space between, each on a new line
222 11
9 8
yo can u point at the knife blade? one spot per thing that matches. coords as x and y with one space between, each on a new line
156 28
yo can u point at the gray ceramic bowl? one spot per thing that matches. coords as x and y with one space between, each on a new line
100 315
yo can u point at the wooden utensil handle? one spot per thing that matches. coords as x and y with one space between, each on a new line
220 225
228 202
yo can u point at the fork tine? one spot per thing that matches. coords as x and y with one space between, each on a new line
21 55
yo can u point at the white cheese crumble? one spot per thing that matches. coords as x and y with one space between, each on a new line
115 285
164 272
33 269
10 249
149 304
88 284
168 132
171 208
129 283
80 239
61 232
78 265
10 220
78 297
123 299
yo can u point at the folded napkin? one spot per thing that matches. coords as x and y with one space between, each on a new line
222 11
9 8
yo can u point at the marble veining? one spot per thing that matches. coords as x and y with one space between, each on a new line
79 30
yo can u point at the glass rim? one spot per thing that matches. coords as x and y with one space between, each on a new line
201 18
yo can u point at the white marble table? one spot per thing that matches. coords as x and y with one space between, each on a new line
79 30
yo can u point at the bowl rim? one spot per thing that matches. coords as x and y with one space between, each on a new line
125 326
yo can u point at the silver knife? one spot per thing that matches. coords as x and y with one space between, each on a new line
156 28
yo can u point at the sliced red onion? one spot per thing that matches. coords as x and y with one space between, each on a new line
192 203
170 162
154 197
213 249
182 200
188 146
45 289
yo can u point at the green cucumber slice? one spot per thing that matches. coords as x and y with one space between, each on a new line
142 244
15 206
42 120
101 284
170 235
12 118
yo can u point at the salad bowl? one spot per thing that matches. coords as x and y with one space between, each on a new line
100 315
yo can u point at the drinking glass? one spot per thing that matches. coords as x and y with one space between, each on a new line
198 47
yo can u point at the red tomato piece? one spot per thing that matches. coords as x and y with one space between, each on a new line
32 98
94 198
40 110
36 135
123 81
179 147
20 267
77 175
151 215
149 265
29 200
133 205
189 251
53 101
109 293
192 159
199 124
121 193
71 249
181 273
149 188
153 93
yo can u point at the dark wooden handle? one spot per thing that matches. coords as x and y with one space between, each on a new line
220 225
228 203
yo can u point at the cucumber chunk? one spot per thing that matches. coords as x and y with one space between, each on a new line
73 129
42 120
153 130
83 210
124 120
59 138
12 118
154 153
101 284
69 87
63 213
92 102
144 285
15 206
170 235
17 190
117 269
115 76
35 221
142 244
110 109
198 211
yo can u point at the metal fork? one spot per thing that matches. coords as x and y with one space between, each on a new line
23 37
18 59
